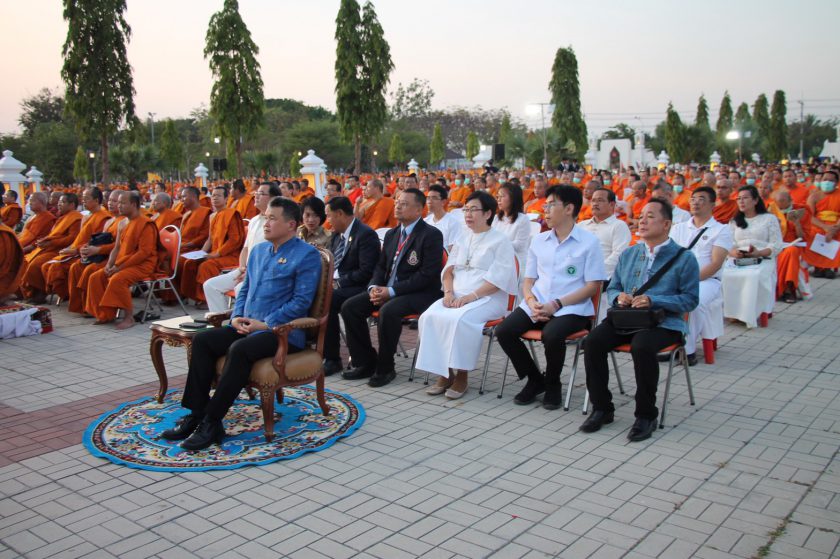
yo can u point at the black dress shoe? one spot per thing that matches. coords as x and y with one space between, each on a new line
358 373
553 398
332 366
209 431
183 428
692 359
378 380
642 429
533 388
596 420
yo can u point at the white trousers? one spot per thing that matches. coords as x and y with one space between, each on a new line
706 321
215 289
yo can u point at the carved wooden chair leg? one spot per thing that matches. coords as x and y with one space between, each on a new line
322 399
267 405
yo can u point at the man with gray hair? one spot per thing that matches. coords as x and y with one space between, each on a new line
665 191
37 226
164 214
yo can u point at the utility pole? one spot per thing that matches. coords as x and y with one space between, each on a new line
801 130
152 121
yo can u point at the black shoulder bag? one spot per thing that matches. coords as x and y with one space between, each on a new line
627 320
98 239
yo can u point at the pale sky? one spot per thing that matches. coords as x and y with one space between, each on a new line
634 57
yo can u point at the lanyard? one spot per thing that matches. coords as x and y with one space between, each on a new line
400 247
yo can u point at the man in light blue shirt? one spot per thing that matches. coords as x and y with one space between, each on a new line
280 283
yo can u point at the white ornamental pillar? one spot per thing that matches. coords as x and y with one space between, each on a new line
10 169
413 166
201 173
663 159
313 169
35 177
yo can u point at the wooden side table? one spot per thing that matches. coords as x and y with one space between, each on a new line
167 332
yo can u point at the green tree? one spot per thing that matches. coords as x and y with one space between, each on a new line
745 127
724 125
505 130
134 161
473 146
294 165
412 101
52 145
814 133
761 119
349 69
96 73
674 135
565 95
396 151
699 143
171 146
702 118
37 109
236 100
81 167
437 149
620 131
376 55
777 137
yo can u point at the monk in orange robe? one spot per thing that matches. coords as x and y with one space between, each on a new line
204 201
795 223
227 235
11 255
56 273
765 189
459 192
586 209
537 204
682 194
64 231
637 201
37 226
798 192
163 215
374 209
195 223
134 258
11 213
80 272
242 201
725 206
825 205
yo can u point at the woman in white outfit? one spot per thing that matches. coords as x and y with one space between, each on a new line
749 291
478 278
512 221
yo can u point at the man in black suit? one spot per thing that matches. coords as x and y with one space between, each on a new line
406 281
356 249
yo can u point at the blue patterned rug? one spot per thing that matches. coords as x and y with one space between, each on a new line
130 434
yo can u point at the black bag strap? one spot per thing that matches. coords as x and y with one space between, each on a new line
664 269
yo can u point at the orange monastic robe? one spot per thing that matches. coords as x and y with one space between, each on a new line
789 262
585 213
800 194
246 208
11 255
724 212
37 226
683 198
227 235
79 274
195 227
828 211
459 195
527 195
11 214
204 201
179 207
536 206
137 245
639 205
61 236
56 274
380 214
166 217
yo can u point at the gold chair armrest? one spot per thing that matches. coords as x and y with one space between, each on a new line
216 318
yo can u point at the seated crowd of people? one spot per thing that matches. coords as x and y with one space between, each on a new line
556 253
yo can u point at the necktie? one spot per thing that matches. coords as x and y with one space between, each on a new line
397 256
340 250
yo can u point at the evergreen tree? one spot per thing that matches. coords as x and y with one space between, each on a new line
565 95
294 165
674 135
376 73
778 133
724 125
350 88
81 172
505 130
96 73
437 149
702 118
473 146
236 100
761 121
396 151
171 148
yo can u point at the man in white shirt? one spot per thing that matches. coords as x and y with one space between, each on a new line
711 248
216 287
448 224
564 270
664 191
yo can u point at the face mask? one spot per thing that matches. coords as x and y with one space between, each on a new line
678 188
457 182
466 181
827 186
550 175
347 186
576 180
750 182
607 182
785 210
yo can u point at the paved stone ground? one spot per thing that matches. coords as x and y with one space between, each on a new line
750 471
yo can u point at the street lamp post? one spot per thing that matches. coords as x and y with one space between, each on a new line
92 156
152 122
736 135
375 153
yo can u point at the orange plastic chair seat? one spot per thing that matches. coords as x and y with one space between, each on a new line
625 348
375 314
493 323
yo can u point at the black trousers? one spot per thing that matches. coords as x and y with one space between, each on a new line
554 334
332 337
644 346
241 351
358 308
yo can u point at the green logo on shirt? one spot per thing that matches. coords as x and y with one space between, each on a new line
571 270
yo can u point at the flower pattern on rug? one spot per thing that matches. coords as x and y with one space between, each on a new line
130 434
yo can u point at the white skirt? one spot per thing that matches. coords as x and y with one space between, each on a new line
749 291
451 338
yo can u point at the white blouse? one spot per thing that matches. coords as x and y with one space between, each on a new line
476 258
519 233
762 231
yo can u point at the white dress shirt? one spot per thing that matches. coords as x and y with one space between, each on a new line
680 215
716 235
614 236
449 226
346 236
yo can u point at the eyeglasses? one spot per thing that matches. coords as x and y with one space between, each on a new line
550 205
469 210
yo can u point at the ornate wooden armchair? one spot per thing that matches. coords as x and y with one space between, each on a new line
271 374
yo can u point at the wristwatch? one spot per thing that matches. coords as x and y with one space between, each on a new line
559 304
